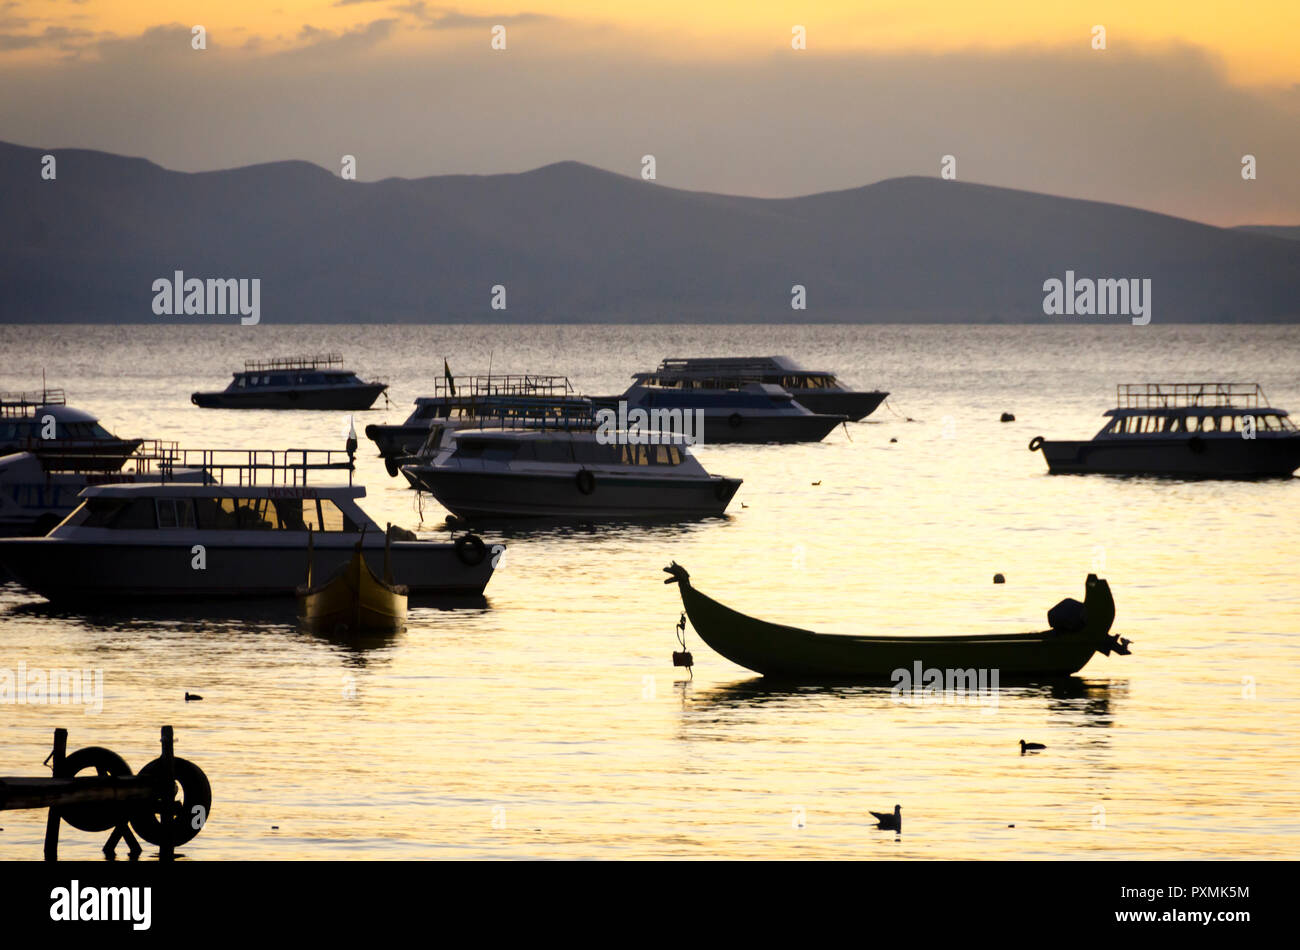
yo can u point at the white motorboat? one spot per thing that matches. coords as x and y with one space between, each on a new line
234 538
573 474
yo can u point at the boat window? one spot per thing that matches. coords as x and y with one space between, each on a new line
1207 424
240 382
175 513
120 513
1175 424
1192 424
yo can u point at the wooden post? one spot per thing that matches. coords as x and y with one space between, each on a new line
53 817
166 849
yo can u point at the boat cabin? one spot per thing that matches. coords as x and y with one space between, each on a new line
735 372
1181 410
198 507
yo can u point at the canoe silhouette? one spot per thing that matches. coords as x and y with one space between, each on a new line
789 652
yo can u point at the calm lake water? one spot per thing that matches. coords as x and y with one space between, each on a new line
550 723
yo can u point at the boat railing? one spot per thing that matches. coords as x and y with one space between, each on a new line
518 384
1190 395
252 467
320 361
16 405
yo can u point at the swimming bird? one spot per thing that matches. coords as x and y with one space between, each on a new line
887 822
818 482
1030 746
192 697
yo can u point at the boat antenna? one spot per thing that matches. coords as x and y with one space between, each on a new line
489 379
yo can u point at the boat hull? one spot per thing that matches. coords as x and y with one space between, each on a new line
791 653
477 495
398 441
1232 457
62 569
346 398
839 402
353 601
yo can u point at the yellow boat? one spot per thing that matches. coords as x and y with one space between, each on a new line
354 600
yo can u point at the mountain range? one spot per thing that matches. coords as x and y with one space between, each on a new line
573 243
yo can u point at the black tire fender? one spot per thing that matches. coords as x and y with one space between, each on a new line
585 481
735 420
177 827
391 466
93 816
1196 444
471 550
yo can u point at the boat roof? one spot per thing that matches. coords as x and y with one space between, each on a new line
201 490
731 366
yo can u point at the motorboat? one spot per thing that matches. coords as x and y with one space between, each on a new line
568 473
1189 430
244 536
35 497
294 382
752 413
465 403
59 435
1075 632
819 391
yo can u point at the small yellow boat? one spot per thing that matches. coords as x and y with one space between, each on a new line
354 600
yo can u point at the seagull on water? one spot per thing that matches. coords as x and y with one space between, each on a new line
1030 746
888 822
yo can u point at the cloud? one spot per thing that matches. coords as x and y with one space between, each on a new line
60 37
1162 129
443 18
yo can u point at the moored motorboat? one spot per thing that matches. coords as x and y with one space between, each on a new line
353 599
752 413
243 536
575 474
63 438
817 390
467 404
1188 430
294 382
1076 632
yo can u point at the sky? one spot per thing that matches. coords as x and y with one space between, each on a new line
1016 92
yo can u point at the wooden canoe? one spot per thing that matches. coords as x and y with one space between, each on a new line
791 653
354 600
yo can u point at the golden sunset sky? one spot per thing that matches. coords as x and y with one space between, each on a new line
1259 43
1160 119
